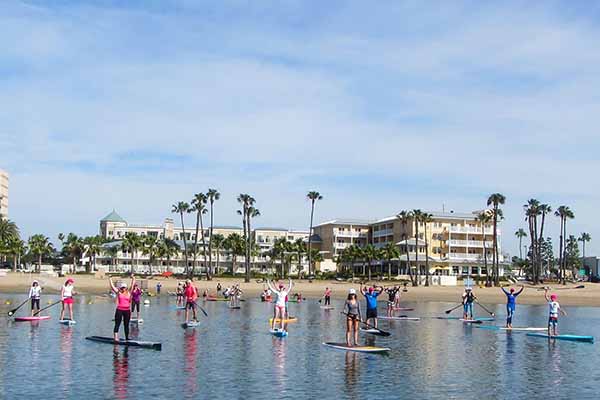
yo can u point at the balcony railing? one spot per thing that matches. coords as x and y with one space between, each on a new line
470 243
383 232
353 234
341 245
470 229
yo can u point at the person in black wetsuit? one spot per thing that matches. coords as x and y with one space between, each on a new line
392 292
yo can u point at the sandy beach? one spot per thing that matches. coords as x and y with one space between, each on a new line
87 284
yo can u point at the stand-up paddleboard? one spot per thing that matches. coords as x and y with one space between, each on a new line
278 332
67 322
190 324
373 331
403 309
471 321
516 329
179 307
32 319
216 299
234 307
573 338
287 320
136 321
133 343
360 349
481 319
399 318
327 307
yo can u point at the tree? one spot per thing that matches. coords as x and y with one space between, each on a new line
250 245
390 251
495 200
584 238
280 247
181 208
426 219
546 255
92 246
131 243
212 195
417 215
151 248
247 212
40 246
72 246
484 218
564 213
520 234
370 253
167 248
17 249
112 251
354 253
313 197
234 243
217 240
8 230
301 250
199 207
405 217
572 256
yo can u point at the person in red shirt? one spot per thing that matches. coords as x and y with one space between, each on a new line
191 295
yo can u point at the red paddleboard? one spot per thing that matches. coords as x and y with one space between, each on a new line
32 318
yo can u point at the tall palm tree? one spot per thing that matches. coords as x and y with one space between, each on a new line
532 211
253 212
370 254
17 249
584 238
199 207
564 213
426 219
212 195
131 243
417 216
92 246
313 197
181 208
151 248
217 240
40 246
246 201
72 246
301 250
484 218
520 234
495 200
390 251
405 217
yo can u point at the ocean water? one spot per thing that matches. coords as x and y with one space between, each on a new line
232 355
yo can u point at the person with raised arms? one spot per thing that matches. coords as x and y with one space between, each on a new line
280 308
123 303
467 301
392 293
136 296
66 296
234 296
353 317
191 295
511 304
35 292
371 295
553 310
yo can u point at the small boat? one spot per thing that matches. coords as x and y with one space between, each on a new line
400 318
190 324
32 319
278 332
67 322
359 349
132 343
573 338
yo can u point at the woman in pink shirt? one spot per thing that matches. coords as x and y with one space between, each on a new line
123 311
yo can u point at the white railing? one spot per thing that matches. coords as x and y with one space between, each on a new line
464 256
341 245
383 232
353 234
470 243
470 229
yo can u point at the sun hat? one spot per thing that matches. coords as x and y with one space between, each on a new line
352 291
122 285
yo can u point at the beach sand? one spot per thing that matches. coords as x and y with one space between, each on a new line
87 284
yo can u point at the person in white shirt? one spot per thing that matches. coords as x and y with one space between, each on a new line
66 296
281 294
553 309
34 294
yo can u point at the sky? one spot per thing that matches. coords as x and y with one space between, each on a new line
378 106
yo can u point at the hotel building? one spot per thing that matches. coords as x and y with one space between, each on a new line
3 194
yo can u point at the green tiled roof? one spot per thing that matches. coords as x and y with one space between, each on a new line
112 217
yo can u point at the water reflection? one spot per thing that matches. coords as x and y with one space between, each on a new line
351 375
279 352
121 372
66 347
190 368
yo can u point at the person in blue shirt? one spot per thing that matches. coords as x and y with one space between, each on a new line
511 303
371 296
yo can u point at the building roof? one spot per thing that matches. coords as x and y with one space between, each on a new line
345 221
271 229
438 214
112 217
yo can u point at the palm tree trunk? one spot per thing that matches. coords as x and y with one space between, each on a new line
217 260
210 234
312 211
185 255
248 250
208 277
426 257
560 250
194 260
418 275
389 269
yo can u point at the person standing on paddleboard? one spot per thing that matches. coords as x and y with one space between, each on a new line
123 311
353 317
136 296
511 304
553 309
280 310
392 292
371 295
35 292
327 296
191 295
179 293
66 296
467 300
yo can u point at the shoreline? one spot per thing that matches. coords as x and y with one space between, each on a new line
19 283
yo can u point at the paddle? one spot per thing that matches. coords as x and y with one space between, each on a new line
201 309
452 309
564 288
381 332
14 310
489 312
47 307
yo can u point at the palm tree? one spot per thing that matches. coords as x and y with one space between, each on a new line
301 249
370 254
280 247
217 240
73 247
199 207
584 238
426 219
16 248
182 207
484 218
112 252
40 246
151 248
354 252
390 251
521 234
250 245
167 248
212 195
235 244
564 213
316 256
495 200
93 246
405 217
131 243
313 197
417 216
8 230
247 202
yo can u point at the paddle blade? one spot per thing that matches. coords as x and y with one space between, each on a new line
11 312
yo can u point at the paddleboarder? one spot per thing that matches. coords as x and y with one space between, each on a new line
467 300
234 296
179 293
191 295
34 294
327 297
392 293
123 302
136 296
371 295
553 309
511 303
353 318
66 296
280 309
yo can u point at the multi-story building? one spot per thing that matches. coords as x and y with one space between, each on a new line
332 237
3 194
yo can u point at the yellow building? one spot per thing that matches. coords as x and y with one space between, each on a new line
3 194
333 237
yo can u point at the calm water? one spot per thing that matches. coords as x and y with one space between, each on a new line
232 356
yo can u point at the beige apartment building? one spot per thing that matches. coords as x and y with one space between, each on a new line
333 237
3 194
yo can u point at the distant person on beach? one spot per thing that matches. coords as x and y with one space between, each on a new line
35 292
553 310
280 309
371 295
191 295
511 304
123 302
467 300
219 288
158 287
66 296
136 297
353 317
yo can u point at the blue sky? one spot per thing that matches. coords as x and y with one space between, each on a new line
403 105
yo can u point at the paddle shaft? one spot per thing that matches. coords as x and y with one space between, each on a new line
47 307
11 312
452 309
481 305
201 309
369 325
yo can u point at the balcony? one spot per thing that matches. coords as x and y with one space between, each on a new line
349 234
464 256
341 246
383 232
470 243
470 229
